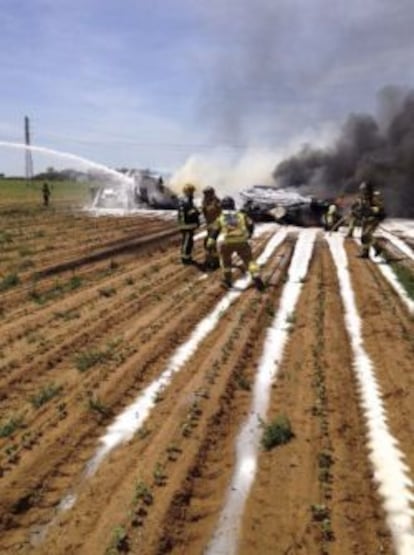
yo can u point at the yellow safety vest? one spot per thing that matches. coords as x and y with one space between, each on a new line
233 226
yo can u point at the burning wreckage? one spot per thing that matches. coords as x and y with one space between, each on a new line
286 206
146 189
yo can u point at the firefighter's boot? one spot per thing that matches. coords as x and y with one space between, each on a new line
258 283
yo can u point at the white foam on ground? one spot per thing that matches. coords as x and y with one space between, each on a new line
399 243
225 538
399 225
394 484
392 279
133 417
130 420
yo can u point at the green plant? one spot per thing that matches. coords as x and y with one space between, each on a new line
278 432
159 474
119 541
87 359
143 493
95 404
74 283
143 432
242 381
45 394
325 459
9 281
320 512
10 426
405 277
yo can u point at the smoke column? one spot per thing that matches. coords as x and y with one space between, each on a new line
380 149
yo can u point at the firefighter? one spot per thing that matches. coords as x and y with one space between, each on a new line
188 221
237 228
211 209
45 194
372 214
355 217
331 216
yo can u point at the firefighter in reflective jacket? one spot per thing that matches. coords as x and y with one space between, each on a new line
330 217
355 217
237 228
188 222
372 214
211 208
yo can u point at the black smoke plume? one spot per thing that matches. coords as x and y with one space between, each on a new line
378 149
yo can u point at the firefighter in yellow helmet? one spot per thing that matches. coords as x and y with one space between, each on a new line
237 228
211 209
355 217
188 222
331 216
372 214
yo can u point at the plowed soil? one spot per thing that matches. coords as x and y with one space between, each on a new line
94 312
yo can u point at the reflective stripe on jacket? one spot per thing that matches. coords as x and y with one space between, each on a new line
236 227
188 214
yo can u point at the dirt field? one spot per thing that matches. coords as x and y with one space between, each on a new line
93 313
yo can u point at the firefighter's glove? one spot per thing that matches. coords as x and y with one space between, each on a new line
211 243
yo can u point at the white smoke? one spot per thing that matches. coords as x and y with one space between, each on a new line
230 173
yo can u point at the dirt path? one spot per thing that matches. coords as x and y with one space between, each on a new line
74 358
310 486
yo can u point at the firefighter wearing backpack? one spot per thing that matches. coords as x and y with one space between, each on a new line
188 222
372 214
236 228
211 208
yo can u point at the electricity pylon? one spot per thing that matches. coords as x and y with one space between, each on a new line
28 152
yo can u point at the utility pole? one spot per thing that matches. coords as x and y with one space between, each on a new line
28 152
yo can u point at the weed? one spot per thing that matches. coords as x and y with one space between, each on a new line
405 277
143 432
143 493
9 281
67 315
107 291
119 541
325 459
326 528
129 281
45 394
278 432
74 283
270 310
95 404
159 475
113 265
320 512
5 237
242 381
10 426
84 361
158 396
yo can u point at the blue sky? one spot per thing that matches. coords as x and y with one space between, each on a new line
151 82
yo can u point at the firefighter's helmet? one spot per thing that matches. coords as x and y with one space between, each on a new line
188 189
209 191
228 203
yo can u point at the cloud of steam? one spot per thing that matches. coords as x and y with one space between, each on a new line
228 175
229 172
380 149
